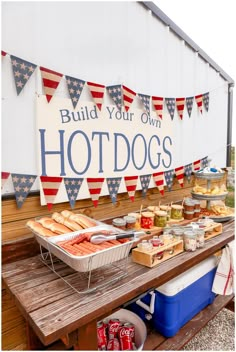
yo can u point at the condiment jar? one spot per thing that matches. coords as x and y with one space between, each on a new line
178 233
189 205
157 242
137 216
160 218
130 222
166 238
120 223
176 212
200 238
152 208
166 208
147 220
188 215
190 241
145 245
197 207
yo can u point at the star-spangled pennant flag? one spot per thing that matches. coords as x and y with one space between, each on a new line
113 184
22 71
196 165
198 99
116 94
97 92
158 105
170 104
131 185
128 97
179 172
188 171
51 80
3 53
95 186
180 106
72 186
205 98
189 104
159 181
169 176
22 185
145 99
145 180
75 87
50 186
204 162
5 176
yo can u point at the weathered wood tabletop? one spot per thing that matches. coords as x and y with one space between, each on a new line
54 310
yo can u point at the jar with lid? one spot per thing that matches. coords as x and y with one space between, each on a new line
178 233
147 220
160 218
120 223
189 205
137 216
197 207
200 238
157 242
176 212
188 215
166 208
167 239
153 208
190 241
130 222
145 245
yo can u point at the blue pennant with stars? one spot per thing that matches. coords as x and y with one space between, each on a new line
75 87
205 162
22 185
205 98
22 71
170 104
145 180
72 186
188 171
113 184
116 94
169 175
189 104
145 99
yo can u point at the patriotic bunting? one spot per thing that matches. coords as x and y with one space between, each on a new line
205 162
128 97
50 187
72 186
131 184
180 106
189 104
145 180
95 186
5 176
22 185
116 94
75 87
159 181
205 98
113 184
179 171
170 104
3 53
145 99
169 176
51 80
198 99
22 71
196 165
158 105
97 92
188 171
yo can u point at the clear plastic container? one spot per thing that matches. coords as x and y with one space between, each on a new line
190 241
200 238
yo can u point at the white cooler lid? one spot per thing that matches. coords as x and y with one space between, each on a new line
185 279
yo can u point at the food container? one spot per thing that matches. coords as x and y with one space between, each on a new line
152 208
166 208
189 205
145 245
190 241
167 239
130 222
197 207
160 218
147 220
200 238
188 215
176 212
137 216
120 223
178 233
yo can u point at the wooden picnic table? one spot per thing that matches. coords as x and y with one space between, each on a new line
54 311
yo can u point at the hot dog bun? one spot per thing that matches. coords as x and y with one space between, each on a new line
52 225
74 226
38 228
84 221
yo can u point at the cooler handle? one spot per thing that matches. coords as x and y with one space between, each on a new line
149 308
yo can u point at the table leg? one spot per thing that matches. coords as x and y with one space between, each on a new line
87 337
33 342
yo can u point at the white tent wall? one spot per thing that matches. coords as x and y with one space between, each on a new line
107 43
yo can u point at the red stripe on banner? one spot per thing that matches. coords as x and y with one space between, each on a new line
128 99
179 168
50 71
131 188
4 53
158 174
95 180
159 182
50 179
97 94
49 83
129 90
95 84
128 178
50 191
5 175
94 190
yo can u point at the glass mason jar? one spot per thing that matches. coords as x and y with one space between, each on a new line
137 216
166 208
190 241
147 220
200 238
160 218
130 222
145 246
120 223
176 212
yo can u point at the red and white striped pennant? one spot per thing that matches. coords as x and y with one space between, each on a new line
51 80
196 165
5 176
131 185
50 185
180 106
95 186
3 53
97 92
198 99
158 105
179 172
159 181
128 97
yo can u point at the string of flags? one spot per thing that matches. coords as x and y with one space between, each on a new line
121 95
23 183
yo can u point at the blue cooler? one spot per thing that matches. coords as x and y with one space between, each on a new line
173 304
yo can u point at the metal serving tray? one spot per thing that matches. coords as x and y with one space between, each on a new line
208 196
91 261
210 175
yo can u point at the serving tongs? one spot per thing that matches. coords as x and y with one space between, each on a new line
100 238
